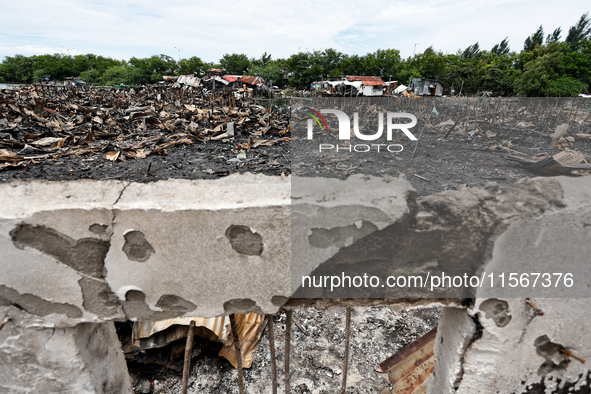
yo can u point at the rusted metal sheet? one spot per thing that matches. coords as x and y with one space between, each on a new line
252 80
250 328
410 368
367 81
161 335
232 78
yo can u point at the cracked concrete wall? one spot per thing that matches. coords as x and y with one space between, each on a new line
507 343
514 349
34 359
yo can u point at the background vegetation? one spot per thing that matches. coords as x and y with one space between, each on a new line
546 66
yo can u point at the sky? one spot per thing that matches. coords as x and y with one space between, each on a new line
210 29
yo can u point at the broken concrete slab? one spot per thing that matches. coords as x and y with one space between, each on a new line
201 248
329 215
54 237
113 250
83 359
457 234
96 251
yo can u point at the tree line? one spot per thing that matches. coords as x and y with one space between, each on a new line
548 65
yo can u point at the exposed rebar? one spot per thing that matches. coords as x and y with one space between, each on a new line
188 351
272 347
287 350
238 353
346 357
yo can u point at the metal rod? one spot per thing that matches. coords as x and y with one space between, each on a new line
346 358
272 347
287 350
238 353
188 351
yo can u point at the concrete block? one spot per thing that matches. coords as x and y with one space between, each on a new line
83 359
90 251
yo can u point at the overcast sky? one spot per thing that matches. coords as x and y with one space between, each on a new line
209 29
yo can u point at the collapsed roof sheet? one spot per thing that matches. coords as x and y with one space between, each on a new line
367 81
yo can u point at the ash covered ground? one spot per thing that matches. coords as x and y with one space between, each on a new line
316 356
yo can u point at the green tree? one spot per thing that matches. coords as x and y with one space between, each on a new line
271 71
385 63
565 87
235 64
536 39
577 64
501 48
193 65
154 67
579 32
301 71
114 76
429 64
90 76
472 52
555 36
540 73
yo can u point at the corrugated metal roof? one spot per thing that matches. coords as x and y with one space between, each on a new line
232 78
251 80
367 81
156 334
410 368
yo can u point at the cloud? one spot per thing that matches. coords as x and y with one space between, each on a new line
210 29
30 50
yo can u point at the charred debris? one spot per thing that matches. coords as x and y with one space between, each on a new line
39 123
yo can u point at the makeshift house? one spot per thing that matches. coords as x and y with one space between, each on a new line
182 80
426 87
368 86
390 86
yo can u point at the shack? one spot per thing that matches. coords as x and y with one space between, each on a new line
370 86
426 87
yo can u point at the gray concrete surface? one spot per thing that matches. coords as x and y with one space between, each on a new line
83 359
78 254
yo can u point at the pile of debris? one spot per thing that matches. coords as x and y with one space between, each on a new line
39 123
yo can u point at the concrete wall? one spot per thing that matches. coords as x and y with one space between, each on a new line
78 255
505 346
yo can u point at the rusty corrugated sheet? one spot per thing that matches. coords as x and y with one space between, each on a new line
158 334
232 78
367 81
251 80
410 368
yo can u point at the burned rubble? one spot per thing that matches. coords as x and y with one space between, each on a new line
461 141
93 132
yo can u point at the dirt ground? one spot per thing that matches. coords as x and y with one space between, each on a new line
316 356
